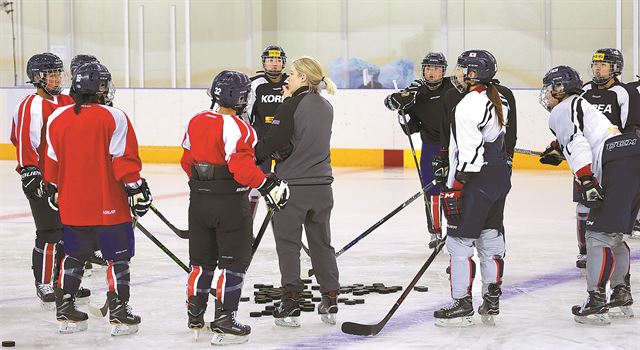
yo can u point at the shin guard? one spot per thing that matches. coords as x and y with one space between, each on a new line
228 284
118 277
71 271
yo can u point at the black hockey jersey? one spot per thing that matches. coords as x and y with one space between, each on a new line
264 100
428 111
617 103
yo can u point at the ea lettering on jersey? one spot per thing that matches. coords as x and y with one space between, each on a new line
604 108
271 99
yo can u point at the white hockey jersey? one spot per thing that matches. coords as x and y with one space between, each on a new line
474 124
581 130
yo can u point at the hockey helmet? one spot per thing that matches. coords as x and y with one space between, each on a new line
434 59
39 66
273 51
560 81
231 89
92 79
482 62
79 60
611 56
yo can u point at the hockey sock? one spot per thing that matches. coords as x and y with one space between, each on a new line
199 282
463 271
622 254
492 269
581 229
43 261
58 261
71 271
229 287
436 213
254 199
118 278
600 264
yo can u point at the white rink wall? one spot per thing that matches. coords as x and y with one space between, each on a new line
361 120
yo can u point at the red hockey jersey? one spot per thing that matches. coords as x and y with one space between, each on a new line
90 157
28 127
221 139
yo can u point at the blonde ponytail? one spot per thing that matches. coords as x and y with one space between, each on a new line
310 67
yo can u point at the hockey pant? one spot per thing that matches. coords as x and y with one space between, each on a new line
426 171
491 248
607 258
582 213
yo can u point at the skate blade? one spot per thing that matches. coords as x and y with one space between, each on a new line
68 327
464 321
489 320
227 339
621 312
123 329
329 319
47 306
291 322
595 319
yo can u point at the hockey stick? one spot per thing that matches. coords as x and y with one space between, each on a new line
405 128
533 153
365 329
382 221
261 232
184 234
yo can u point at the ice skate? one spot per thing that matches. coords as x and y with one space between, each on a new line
47 297
71 319
82 296
621 300
121 316
97 260
581 261
287 314
227 330
490 305
195 314
328 307
457 314
635 233
594 310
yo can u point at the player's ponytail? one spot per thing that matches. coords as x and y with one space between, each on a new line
313 70
494 97
81 99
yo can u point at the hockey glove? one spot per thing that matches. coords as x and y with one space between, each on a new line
440 164
416 85
400 100
590 190
140 198
274 191
52 196
32 184
282 153
451 202
552 155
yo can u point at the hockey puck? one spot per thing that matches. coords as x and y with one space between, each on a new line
345 290
421 288
267 312
258 286
342 300
307 281
396 288
255 314
315 287
245 298
358 292
316 299
350 302
308 308
359 300
8 343
378 284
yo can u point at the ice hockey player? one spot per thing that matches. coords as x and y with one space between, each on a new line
76 62
303 125
478 183
28 134
605 164
420 109
264 99
100 139
616 102
219 159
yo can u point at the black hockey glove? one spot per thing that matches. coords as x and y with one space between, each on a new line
274 191
32 184
552 155
591 192
140 198
283 153
417 85
52 196
400 100
440 164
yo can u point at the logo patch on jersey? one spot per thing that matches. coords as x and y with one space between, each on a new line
268 119
108 212
274 53
598 57
621 143
271 99
604 108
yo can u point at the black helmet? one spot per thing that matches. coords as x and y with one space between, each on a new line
434 59
79 60
91 79
562 81
611 56
480 61
41 64
231 89
272 51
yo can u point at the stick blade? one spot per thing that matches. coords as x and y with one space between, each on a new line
360 329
